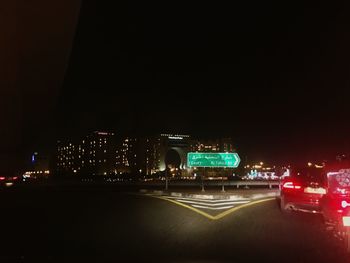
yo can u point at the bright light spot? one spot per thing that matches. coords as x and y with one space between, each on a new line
346 220
344 204
291 185
288 185
312 190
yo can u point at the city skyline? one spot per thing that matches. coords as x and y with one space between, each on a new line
135 154
146 71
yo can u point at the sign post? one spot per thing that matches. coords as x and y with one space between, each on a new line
202 177
223 186
205 159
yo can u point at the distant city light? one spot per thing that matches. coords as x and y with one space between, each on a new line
175 138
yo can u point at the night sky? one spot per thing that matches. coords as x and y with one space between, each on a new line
273 75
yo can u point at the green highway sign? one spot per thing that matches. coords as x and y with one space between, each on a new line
196 159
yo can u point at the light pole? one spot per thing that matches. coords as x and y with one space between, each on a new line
166 178
222 180
223 186
202 179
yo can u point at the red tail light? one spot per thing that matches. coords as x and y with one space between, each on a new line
14 178
2 178
291 185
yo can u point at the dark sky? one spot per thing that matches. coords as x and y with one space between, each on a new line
273 75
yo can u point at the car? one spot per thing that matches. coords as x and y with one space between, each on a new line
303 190
8 180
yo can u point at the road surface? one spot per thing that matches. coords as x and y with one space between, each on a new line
78 224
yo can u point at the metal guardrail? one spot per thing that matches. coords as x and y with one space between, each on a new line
237 184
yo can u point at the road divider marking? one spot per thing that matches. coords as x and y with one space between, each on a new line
210 201
223 214
211 217
216 204
213 208
186 206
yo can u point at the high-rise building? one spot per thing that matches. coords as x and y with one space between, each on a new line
93 154
149 155
101 153
136 155
66 157
126 155
218 145
98 153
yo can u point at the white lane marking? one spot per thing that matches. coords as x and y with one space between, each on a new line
209 201
216 204
213 208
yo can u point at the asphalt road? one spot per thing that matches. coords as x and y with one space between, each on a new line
107 225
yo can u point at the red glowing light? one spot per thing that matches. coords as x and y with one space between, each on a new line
291 185
346 220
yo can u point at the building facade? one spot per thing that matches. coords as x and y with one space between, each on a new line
93 154
218 145
103 153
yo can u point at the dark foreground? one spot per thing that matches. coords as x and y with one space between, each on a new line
77 224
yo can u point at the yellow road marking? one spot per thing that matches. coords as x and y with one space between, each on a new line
234 209
219 216
187 206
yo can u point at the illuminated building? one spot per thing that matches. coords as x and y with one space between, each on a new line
102 153
66 157
94 154
137 155
38 166
97 153
174 146
148 155
126 155
218 145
